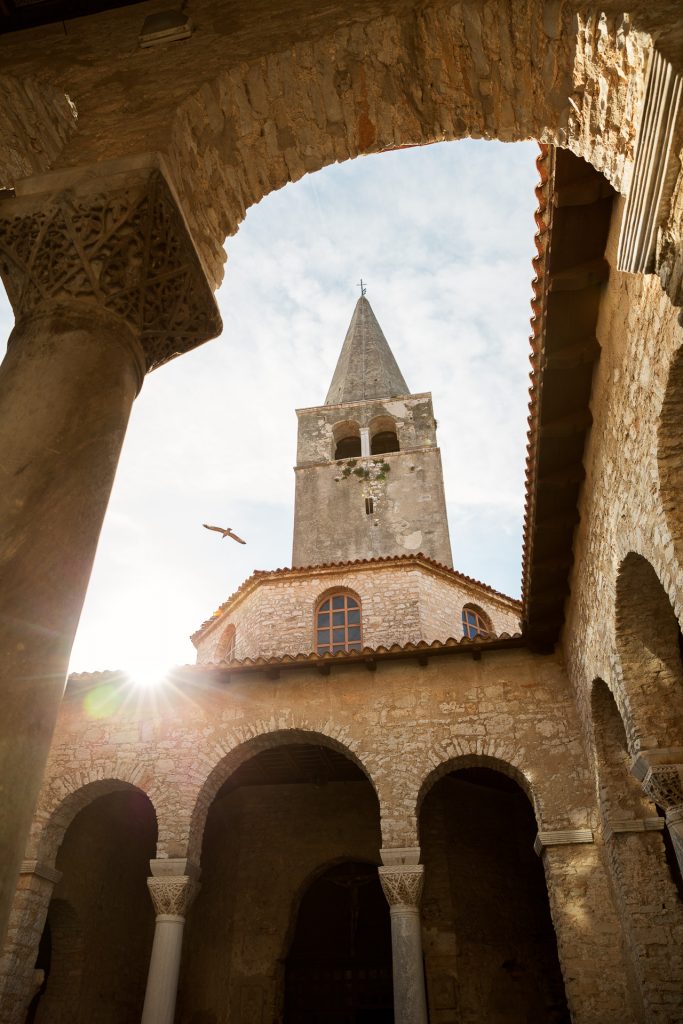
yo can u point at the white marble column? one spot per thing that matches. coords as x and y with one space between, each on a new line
401 877
172 895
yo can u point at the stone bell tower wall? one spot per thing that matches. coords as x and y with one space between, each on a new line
408 512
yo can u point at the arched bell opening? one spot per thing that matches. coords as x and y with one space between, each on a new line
488 938
96 944
347 440
383 436
338 967
280 819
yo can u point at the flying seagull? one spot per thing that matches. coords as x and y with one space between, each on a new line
226 533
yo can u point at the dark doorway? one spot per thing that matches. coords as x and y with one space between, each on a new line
490 948
339 966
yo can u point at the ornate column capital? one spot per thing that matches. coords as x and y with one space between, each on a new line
172 894
112 237
402 884
663 784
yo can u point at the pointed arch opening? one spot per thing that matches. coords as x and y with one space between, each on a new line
278 819
489 942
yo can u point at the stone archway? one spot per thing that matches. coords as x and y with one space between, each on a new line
489 943
636 856
281 810
649 646
101 908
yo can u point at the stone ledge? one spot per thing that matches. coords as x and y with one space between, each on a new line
564 837
631 825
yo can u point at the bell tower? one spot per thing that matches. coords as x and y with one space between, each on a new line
369 482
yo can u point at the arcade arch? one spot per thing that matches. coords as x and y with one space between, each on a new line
670 453
648 640
278 818
489 942
100 907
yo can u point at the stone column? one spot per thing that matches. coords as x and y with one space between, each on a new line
27 920
172 893
401 878
105 284
663 784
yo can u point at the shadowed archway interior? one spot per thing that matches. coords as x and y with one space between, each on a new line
280 820
489 944
338 968
98 934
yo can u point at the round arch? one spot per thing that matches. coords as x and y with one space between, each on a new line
56 814
235 132
649 647
247 748
474 760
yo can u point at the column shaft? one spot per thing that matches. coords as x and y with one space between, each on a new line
401 877
408 971
164 966
67 385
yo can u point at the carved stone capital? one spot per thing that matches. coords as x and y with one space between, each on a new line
402 884
172 894
111 237
663 784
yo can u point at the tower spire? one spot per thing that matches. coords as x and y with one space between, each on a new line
366 368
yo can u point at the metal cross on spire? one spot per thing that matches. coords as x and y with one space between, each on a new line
363 288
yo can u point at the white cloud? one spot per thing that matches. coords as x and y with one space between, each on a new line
444 236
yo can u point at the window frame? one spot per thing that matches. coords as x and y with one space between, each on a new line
483 625
330 646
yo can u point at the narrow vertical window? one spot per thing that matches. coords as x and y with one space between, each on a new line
338 624
369 506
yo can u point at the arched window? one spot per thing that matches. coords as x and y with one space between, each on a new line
346 440
227 645
338 624
475 622
383 437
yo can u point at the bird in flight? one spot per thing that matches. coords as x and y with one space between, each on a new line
227 532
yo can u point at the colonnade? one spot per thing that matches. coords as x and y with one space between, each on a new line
576 881
173 886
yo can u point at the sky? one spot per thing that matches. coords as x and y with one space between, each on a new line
443 236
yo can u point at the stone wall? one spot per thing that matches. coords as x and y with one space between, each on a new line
405 725
623 613
412 416
401 603
253 100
